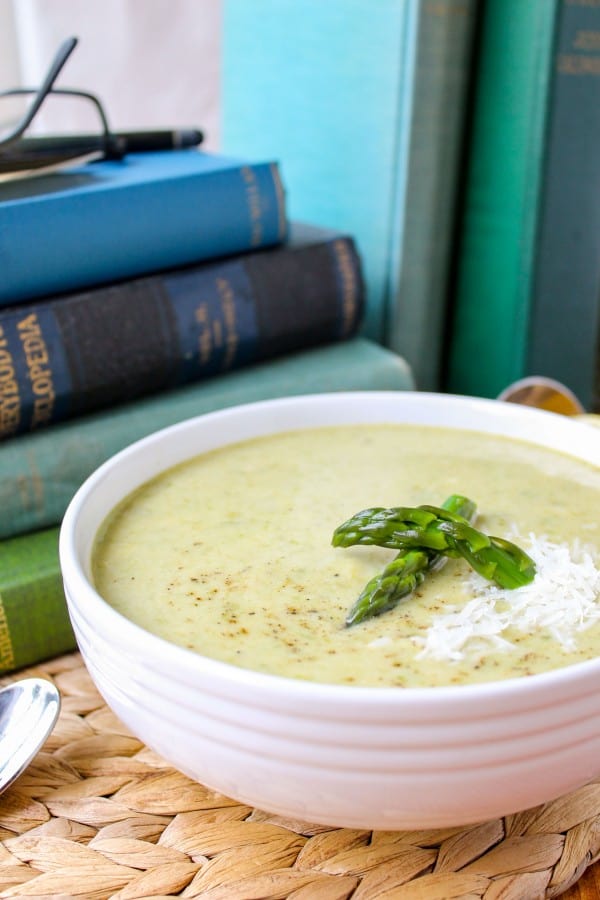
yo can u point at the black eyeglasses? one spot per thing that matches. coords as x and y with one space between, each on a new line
18 153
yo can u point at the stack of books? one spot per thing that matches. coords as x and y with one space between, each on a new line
137 293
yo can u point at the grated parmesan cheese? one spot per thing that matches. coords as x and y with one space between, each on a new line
563 599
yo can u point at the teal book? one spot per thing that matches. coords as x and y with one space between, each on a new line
40 471
564 329
115 219
421 263
489 329
362 104
68 355
327 88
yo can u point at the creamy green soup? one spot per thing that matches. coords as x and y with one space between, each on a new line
230 555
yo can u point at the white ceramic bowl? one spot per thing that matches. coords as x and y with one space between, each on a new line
375 758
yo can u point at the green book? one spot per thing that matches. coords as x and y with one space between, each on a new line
40 472
34 623
497 242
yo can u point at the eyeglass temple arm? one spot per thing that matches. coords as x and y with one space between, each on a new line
62 55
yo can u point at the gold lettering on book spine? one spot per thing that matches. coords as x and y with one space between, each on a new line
10 399
347 273
205 340
7 653
280 194
587 40
578 64
39 371
232 337
217 334
582 63
254 206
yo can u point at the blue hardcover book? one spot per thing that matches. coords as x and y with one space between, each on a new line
109 220
326 88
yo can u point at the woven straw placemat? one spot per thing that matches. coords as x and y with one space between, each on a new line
99 815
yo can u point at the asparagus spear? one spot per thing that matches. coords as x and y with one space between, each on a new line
502 562
406 571
423 536
497 559
432 527
441 529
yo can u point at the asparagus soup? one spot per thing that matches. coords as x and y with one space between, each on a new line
230 555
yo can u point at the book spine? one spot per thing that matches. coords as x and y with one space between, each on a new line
565 322
498 223
34 622
421 255
67 239
596 387
40 471
71 355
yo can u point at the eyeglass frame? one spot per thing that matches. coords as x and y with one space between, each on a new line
111 144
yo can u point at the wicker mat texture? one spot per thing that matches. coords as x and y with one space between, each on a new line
98 815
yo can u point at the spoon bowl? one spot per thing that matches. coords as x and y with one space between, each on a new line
28 712
543 393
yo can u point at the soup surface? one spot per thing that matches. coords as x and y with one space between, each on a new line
230 555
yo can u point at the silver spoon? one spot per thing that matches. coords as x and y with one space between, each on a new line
28 712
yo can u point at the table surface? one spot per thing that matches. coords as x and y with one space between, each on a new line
588 886
81 776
